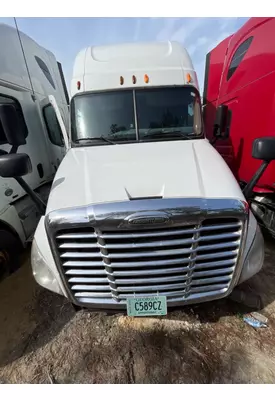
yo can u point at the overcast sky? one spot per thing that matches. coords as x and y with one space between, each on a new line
66 36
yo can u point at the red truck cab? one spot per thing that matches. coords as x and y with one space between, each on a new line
240 74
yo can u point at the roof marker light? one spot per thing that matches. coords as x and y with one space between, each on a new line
78 85
188 78
134 79
121 80
146 78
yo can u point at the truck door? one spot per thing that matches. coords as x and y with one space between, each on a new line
56 129
231 152
247 87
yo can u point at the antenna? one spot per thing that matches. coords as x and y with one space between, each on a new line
21 44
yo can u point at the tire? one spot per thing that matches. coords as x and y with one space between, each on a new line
9 253
76 308
265 214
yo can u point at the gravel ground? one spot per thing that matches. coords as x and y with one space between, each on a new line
42 339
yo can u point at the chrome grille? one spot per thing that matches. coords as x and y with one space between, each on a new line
182 262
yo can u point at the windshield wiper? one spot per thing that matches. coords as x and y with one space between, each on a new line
96 138
162 133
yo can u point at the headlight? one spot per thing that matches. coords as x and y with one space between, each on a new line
41 272
255 257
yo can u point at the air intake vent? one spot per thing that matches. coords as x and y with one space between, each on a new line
146 198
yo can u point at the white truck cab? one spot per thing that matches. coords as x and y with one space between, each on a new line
31 85
143 212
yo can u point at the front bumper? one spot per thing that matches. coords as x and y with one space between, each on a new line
47 274
43 265
254 260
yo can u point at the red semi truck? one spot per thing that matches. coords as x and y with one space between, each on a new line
239 106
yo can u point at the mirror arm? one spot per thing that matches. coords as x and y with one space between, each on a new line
213 140
248 190
13 149
41 206
215 136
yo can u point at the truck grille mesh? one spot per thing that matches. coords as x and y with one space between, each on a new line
180 262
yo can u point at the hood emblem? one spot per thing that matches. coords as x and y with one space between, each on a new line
148 219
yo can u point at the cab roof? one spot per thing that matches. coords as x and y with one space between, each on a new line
106 67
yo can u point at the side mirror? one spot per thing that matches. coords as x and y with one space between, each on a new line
12 125
220 131
15 165
264 148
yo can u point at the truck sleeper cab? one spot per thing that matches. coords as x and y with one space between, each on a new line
142 205
239 76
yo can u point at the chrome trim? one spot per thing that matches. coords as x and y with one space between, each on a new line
135 114
146 234
110 222
159 243
149 218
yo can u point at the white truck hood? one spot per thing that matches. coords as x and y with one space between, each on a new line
112 173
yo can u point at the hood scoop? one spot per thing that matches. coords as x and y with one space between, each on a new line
158 195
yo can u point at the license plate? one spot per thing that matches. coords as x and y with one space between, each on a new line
146 306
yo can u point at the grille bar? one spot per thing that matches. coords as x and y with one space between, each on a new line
149 272
151 288
168 232
94 294
135 280
213 272
85 272
158 279
219 263
172 252
167 293
153 263
176 296
72 245
177 261
91 287
213 279
77 236
208 288
73 254
98 263
161 243
224 254
155 253
77 279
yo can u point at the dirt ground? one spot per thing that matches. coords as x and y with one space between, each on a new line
43 340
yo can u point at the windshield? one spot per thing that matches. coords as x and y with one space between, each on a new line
139 115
